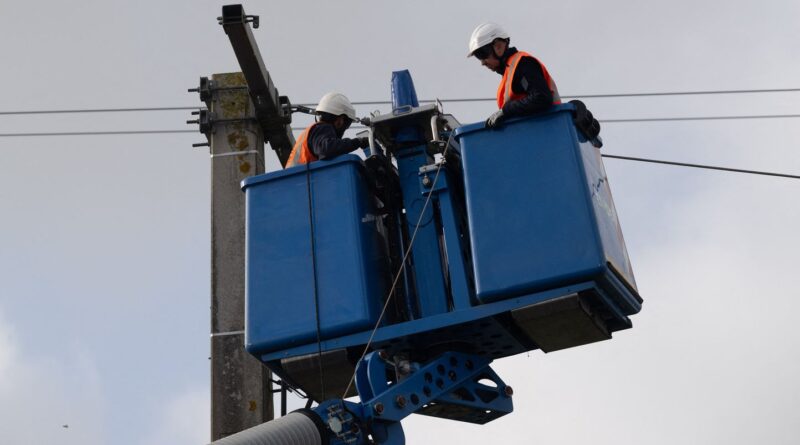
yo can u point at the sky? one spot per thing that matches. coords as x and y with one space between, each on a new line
104 240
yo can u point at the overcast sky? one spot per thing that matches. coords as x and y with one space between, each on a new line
104 240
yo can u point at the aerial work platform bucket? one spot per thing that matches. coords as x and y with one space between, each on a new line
539 206
532 251
313 250
541 216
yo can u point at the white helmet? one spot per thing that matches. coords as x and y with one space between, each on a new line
336 104
484 34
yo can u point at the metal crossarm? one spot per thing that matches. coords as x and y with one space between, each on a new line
272 110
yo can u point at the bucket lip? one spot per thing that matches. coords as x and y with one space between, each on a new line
300 169
478 126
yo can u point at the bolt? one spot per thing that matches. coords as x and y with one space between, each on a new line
508 391
383 355
378 408
335 425
426 181
401 401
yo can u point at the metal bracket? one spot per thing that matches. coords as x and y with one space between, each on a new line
207 87
206 120
453 386
346 424
232 20
301 109
342 423
204 89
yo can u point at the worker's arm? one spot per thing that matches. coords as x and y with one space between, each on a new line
528 79
326 145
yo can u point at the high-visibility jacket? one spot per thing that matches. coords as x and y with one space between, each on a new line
301 152
504 91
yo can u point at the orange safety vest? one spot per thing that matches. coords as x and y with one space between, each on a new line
301 152
504 91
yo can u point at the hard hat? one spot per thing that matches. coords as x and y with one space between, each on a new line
485 34
336 104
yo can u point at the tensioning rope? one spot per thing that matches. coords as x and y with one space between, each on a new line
402 266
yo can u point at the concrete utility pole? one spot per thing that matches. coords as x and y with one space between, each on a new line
241 395
243 109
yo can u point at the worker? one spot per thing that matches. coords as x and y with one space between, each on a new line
526 87
323 139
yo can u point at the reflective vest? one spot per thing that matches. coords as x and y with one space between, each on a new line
301 152
504 91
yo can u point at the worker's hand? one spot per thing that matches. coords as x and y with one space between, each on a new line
363 142
495 120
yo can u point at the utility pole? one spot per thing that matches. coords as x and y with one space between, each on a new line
241 393
243 112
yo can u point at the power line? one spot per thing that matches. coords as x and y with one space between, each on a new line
701 118
598 96
359 127
453 100
687 93
627 158
96 133
708 167
665 119
96 110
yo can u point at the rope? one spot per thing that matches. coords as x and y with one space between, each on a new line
316 290
402 267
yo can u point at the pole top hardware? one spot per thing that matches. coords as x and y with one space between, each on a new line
234 14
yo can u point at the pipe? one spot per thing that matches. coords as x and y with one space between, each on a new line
435 128
301 427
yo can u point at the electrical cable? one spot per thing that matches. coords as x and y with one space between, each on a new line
700 118
600 96
454 100
357 127
677 119
655 161
95 133
709 167
95 110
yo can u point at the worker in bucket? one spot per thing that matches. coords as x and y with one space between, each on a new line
526 87
323 139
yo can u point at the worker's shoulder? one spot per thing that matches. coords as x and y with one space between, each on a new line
529 60
320 129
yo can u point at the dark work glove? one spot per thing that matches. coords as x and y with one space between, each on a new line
363 142
495 120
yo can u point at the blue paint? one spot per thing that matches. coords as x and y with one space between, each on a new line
403 92
539 207
455 254
519 216
404 97
280 308
427 259
425 254
432 383
420 329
